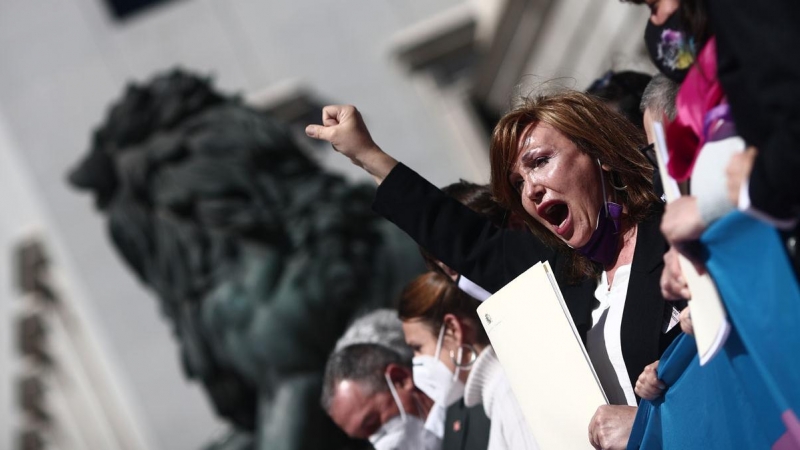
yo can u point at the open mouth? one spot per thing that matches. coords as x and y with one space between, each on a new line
555 214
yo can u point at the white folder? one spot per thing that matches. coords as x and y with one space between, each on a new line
543 357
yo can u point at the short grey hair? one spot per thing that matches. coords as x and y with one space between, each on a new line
659 96
363 363
377 327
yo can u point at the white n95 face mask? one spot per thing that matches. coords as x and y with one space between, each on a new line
433 378
404 431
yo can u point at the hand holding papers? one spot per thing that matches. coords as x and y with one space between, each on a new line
709 320
532 332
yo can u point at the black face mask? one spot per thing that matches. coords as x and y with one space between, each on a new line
671 48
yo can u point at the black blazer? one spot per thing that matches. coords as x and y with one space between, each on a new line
466 428
642 337
492 257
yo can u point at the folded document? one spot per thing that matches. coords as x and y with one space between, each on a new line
543 357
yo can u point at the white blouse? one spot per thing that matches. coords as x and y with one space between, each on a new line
603 340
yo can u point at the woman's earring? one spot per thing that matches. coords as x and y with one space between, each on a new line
458 356
619 188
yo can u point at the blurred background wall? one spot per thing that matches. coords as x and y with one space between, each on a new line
430 76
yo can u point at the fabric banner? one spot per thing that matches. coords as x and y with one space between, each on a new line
748 396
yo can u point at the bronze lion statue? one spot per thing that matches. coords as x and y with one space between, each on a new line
259 258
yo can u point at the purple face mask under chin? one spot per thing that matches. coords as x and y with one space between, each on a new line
602 246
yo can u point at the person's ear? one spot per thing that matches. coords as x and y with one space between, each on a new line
454 329
400 376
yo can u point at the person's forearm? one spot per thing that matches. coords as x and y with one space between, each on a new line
377 163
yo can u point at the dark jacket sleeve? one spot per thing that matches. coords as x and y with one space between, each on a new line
758 67
469 243
464 240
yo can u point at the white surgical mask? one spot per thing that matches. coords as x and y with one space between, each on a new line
433 378
404 431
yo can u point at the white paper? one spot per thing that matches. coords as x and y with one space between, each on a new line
544 359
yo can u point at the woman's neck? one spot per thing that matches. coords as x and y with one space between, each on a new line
625 255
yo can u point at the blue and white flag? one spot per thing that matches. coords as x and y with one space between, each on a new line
748 396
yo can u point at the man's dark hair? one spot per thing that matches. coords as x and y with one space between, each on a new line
622 91
363 363
477 197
